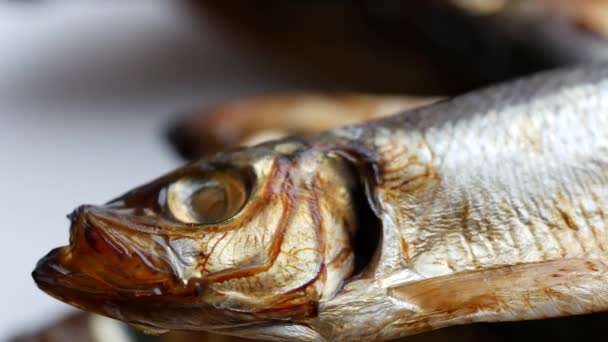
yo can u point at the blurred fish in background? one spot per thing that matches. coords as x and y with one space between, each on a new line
89 94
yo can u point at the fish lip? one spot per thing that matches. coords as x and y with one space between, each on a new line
56 276
62 274
59 280
47 269
64 282
84 275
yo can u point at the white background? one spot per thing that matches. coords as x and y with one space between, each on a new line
85 91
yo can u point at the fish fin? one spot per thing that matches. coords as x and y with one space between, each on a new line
508 293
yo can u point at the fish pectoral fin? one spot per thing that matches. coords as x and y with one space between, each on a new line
508 293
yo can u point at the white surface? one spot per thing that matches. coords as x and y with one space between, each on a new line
85 89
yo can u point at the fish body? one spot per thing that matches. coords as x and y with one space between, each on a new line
486 207
504 186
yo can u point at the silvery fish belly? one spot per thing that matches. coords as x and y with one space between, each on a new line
487 207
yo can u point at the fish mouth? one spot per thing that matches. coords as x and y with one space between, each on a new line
101 266
94 274
55 275
59 277
147 309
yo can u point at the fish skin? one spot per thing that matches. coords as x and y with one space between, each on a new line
514 173
507 176
492 207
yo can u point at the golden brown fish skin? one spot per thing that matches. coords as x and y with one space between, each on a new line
491 207
287 249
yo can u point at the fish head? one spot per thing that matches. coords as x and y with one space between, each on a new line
254 236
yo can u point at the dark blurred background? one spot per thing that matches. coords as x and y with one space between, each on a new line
88 89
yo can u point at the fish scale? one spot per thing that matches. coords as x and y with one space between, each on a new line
557 118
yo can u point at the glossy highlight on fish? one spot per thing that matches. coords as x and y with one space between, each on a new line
491 206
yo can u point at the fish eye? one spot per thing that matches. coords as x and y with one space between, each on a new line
206 199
